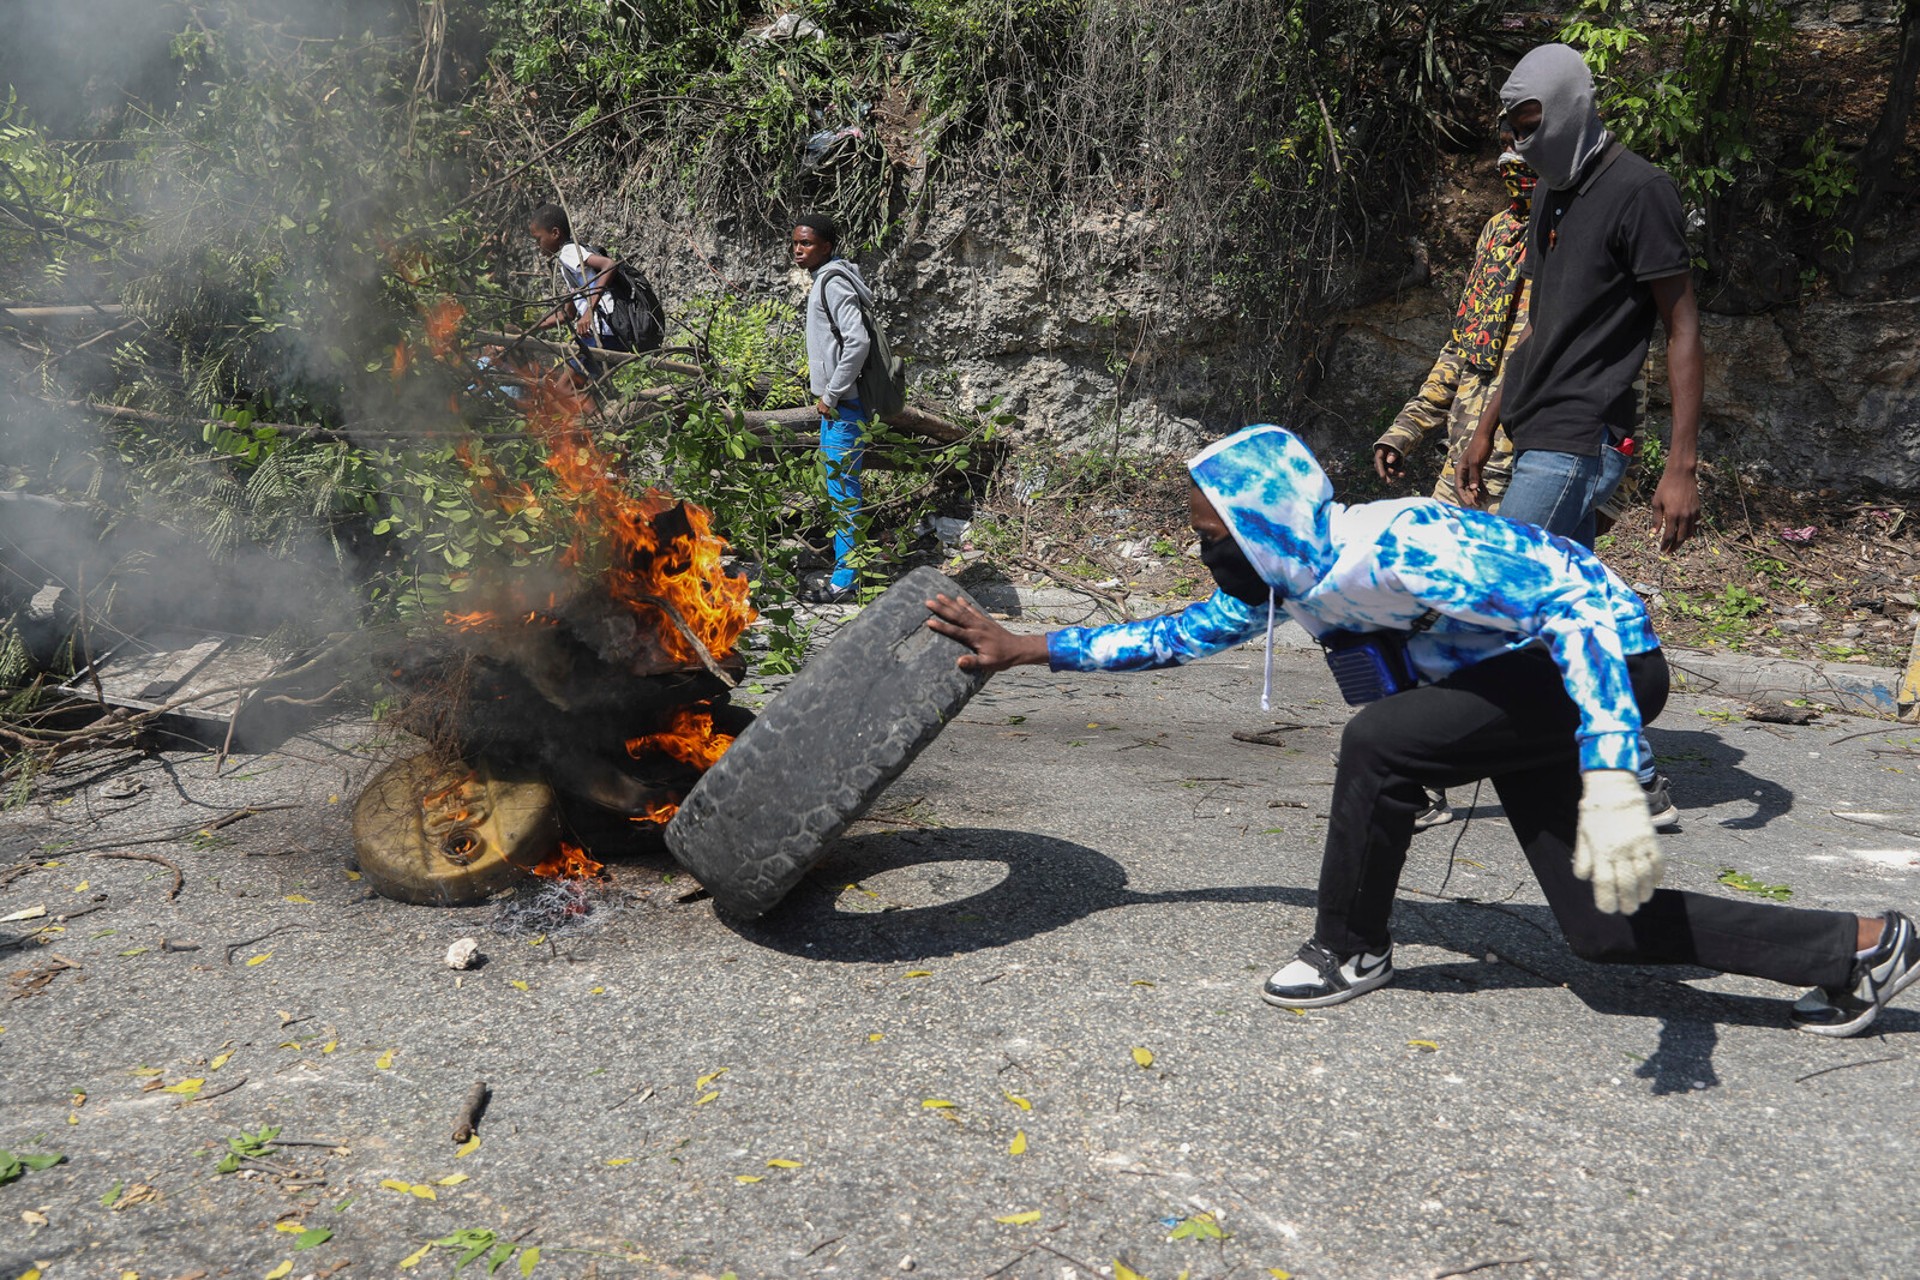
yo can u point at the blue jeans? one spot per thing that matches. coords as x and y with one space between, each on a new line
843 443
1560 491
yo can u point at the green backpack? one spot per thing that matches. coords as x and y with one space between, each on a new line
882 384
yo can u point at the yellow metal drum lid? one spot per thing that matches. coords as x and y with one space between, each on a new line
443 832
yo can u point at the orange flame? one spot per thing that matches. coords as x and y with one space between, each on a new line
570 863
443 323
660 812
674 576
470 621
690 739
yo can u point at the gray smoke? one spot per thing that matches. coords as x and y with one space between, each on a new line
113 69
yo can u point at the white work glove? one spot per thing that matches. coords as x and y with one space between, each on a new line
1614 845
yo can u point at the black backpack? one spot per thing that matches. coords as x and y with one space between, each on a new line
638 321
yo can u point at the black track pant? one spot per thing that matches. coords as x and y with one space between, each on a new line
1510 719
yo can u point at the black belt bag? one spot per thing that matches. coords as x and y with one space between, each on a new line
1371 665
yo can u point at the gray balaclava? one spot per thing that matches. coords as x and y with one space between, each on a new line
1570 133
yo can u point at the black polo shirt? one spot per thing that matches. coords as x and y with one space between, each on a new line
1592 251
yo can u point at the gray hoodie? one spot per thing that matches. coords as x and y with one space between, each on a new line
833 364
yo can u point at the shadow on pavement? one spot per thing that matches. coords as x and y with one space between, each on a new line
1704 773
1049 883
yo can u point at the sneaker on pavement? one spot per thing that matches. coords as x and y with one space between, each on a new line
1317 977
1437 813
1660 804
1878 977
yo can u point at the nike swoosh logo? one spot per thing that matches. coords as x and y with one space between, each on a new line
1361 969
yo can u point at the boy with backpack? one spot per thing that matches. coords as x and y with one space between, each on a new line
853 377
613 306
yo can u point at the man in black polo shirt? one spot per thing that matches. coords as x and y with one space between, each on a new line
1607 252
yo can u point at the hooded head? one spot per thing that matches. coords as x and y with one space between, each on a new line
1569 134
1275 501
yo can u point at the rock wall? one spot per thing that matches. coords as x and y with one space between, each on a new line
1824 393
981 304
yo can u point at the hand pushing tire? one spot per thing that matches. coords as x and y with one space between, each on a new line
813 761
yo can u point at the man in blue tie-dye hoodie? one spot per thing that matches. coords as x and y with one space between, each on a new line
1532 665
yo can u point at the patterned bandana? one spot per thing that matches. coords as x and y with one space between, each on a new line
1493 282
1520 181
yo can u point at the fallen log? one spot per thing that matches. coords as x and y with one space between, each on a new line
122 413
494 338
916 421
62 312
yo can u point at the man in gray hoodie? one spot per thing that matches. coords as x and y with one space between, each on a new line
837 345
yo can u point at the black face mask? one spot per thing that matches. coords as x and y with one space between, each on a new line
1232 572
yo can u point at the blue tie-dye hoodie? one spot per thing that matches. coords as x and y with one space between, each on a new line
1496 584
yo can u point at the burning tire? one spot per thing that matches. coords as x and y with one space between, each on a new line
828 746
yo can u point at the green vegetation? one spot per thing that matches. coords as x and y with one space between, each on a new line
279 202
1747 884
1698 87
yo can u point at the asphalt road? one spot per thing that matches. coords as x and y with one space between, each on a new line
1010 1028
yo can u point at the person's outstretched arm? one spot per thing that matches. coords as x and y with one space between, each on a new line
1216 623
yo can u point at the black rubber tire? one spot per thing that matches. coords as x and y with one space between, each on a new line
844 728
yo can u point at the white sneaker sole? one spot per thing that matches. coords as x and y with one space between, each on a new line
1841 1031
1360 988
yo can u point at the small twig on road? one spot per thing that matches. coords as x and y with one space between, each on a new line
471 1111
1119 603
179 881
1864 733
247 942
19 869
823 1244
100 903
221 1092
1092 1271
172 835
1266 737
1864 1062
1018 1258
641 1094
308 1142
1481 1266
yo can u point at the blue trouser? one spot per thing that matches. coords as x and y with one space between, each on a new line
584 364
842 443
1560 492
